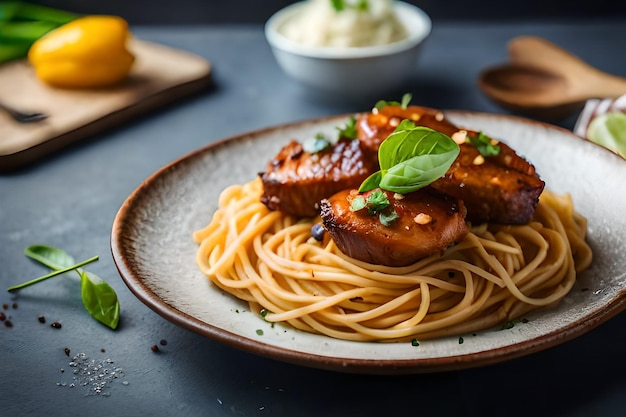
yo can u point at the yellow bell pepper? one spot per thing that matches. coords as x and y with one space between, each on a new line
90 51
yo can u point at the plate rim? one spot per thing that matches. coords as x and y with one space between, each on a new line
351 365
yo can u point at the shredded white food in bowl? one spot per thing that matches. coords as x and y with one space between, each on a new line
318 24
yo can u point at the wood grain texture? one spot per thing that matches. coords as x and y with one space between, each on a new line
160 76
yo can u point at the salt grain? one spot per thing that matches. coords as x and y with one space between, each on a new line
95 375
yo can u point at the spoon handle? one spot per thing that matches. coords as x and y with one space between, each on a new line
23 117
540 53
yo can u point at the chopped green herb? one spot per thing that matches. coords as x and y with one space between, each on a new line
508 325
415 342
316 144
411 158
406 99
259 332
340 5
348 130
377 201
358 203
461 340
387 218
484 144
511 323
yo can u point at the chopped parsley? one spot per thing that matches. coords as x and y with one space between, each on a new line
321 141
511 323
484 144
387 218
316 144
348 130
375 203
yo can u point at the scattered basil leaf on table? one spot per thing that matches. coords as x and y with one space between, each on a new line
99 298
51 257
411 158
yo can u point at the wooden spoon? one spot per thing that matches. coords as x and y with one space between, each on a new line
543 80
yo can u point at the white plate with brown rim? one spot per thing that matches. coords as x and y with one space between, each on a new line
154 251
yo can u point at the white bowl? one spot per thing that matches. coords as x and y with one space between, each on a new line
350 72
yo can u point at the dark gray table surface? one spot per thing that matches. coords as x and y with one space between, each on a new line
70 199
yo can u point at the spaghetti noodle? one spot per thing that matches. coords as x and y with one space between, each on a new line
495 274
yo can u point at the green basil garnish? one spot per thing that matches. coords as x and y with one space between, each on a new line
99 298
411 158
406 99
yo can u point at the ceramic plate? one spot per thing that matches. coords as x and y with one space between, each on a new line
154 252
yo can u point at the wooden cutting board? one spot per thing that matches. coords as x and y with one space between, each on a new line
160 76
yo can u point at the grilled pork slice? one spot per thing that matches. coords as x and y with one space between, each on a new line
295 180
501 189
497 189
427 222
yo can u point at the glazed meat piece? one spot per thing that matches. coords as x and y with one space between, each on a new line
498 189
427 222
374 127
501 189
295 180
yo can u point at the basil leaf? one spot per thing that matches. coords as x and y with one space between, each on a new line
371 182
99 299
406 99
51 257
411 158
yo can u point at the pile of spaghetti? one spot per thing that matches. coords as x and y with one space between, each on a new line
494 274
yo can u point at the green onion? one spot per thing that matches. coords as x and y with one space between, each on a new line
21 24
